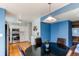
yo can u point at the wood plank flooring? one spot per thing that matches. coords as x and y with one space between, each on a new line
13 50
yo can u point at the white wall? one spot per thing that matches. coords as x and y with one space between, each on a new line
36 22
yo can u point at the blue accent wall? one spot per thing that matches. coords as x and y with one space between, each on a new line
45 31
57 30
61 30
54 32
70 40
2 31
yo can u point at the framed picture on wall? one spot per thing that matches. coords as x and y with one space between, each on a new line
35 28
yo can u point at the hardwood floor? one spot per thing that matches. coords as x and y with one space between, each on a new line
13 50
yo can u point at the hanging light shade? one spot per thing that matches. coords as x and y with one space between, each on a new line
50 19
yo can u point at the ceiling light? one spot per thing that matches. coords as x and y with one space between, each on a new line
50 19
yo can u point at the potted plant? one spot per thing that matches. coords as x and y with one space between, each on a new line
47 43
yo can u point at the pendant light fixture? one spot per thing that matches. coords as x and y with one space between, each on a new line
50 19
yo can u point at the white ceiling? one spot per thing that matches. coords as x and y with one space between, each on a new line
72 15
29 11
